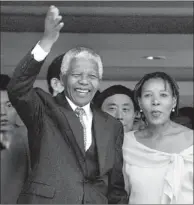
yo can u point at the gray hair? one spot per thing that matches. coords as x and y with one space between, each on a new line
77 53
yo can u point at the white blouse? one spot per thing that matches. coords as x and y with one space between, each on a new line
156 177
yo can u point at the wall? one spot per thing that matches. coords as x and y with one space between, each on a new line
121 55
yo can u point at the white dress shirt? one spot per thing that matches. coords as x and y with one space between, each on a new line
39 55
87 121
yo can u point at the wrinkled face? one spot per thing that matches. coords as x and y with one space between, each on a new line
121 107
81 81
8 113
157 101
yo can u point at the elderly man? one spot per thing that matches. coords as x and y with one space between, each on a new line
76 150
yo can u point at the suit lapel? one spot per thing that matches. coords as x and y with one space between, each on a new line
73 122
101 133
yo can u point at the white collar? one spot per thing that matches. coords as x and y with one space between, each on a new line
86 108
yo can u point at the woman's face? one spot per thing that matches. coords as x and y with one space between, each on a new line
157 101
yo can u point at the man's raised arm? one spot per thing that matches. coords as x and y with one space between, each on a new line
20 89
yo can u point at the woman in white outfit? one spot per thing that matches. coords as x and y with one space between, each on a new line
158 160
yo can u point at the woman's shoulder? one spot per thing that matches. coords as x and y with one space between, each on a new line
175 130
184 132
178 128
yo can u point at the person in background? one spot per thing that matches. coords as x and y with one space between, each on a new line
14 148
94 100
185 117
76 149
158 160
2 144
53 77
138 123
118 101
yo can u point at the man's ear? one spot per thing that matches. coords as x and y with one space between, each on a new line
56 86
54 83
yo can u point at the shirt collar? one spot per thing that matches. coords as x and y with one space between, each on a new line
86 107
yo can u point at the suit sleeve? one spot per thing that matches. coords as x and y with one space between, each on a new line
26 100
22 94
117 193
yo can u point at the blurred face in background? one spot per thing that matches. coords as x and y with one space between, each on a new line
8 113
121 107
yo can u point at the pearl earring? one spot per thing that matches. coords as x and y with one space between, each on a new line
173 110
141 110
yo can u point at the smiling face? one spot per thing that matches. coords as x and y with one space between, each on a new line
157 101
8 113
81 81
121 107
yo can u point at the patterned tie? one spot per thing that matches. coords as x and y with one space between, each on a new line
80 113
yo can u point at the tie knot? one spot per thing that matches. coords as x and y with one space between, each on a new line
80 111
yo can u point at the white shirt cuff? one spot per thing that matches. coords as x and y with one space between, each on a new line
38 53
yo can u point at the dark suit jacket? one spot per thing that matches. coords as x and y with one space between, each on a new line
57 149
14 166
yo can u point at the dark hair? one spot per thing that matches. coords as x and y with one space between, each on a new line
188 112
94 100
112 90
54 70
166 78
4 81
